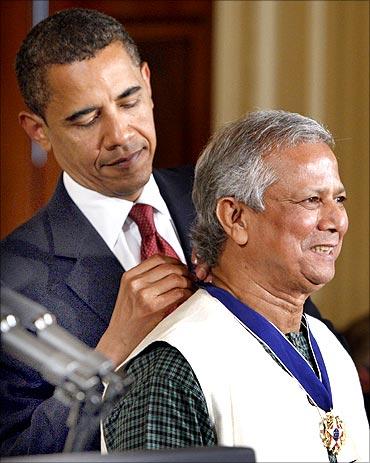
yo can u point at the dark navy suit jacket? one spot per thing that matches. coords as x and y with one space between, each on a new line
59 260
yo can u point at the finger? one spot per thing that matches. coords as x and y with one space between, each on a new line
151 278
172 299
164 270
153 262
166 284
201 272
144 295
152 270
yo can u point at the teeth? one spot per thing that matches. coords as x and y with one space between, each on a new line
322 249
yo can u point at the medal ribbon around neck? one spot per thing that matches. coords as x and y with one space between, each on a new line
318 390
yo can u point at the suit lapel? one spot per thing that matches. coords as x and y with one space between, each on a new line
96 274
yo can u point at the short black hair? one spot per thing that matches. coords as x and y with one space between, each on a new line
70 35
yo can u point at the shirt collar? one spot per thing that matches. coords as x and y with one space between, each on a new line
108 214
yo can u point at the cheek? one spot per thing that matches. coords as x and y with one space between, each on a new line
303 222
74 151
295 231
297 223
144 120
147 127
344 223
306 223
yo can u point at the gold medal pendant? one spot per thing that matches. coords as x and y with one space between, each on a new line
332 432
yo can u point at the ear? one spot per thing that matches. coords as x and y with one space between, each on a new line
233 219
145 73
36 129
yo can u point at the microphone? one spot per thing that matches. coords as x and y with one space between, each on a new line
30 333
36 318
56 367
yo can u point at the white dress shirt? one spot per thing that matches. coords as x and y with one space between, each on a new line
109 216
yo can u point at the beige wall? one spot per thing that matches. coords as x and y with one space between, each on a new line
309 57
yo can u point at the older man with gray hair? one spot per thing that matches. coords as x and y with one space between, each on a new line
243 366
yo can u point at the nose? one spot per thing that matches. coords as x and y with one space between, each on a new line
333 217
117 131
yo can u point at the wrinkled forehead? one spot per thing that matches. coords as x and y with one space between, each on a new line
308 164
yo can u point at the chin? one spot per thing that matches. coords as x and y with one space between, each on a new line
318 273
320 280
131 192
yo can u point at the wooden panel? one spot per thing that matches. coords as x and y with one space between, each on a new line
180 81
24 186
17 201
145 10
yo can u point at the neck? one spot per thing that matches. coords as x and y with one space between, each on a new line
282 309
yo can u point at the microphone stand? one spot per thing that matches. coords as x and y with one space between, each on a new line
76 370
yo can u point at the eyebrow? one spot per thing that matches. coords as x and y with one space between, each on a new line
82 112
130 91
339 190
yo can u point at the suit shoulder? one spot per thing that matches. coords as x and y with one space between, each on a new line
24 251
183 175
187 169
33 230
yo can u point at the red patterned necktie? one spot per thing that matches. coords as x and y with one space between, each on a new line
151 240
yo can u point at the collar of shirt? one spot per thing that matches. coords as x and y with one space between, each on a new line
108 214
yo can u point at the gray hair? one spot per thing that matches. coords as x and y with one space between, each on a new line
232 164
70 35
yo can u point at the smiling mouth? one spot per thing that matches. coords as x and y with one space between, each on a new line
323 249
126 161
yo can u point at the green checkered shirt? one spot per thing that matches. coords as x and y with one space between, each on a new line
165 407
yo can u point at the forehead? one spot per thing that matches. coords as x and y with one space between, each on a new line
308 165
107 74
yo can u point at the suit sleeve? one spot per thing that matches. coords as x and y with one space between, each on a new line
32 420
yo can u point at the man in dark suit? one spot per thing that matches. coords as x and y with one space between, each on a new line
89 102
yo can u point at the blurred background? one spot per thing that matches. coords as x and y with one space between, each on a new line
212 61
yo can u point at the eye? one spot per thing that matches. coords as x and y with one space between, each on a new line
313 200
90 123
129 104
341 199
311 203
